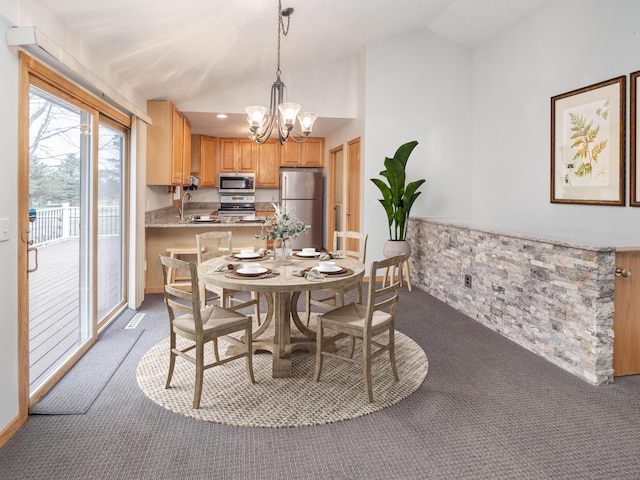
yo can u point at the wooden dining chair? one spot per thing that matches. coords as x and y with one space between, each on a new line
216 244
363 321
332 298
187 319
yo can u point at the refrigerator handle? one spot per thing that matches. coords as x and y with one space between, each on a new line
284 186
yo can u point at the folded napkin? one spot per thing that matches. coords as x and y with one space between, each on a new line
312 275
223 267
334 255
315 276
324 256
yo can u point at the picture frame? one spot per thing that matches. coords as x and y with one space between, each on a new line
634 136
588 144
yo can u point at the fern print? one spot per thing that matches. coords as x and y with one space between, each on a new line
587 125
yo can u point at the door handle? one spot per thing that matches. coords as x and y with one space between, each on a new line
623 272
35 250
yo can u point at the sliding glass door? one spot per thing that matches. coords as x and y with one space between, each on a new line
59 200
111 196
76 243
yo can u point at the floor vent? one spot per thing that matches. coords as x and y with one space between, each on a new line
133 323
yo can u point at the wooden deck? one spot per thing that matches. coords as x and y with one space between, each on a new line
54 304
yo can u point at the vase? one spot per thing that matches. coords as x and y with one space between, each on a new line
391 248
282 251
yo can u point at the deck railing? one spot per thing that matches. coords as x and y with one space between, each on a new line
60 223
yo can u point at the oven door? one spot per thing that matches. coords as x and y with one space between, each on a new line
236 183
237 209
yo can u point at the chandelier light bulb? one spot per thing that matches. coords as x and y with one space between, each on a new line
288 112
255 116
306 120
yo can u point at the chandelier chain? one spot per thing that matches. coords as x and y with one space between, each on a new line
283 30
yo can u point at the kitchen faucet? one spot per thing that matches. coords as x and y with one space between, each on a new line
186 195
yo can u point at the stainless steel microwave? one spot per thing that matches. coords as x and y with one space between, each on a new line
237 183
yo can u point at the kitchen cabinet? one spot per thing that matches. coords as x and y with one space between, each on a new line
236 155
308 154
245 155
168 145
267 159
203 159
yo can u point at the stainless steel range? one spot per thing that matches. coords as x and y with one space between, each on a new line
237 205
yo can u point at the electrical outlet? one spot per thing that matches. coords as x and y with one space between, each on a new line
467 281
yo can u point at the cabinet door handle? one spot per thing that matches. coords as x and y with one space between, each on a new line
623 272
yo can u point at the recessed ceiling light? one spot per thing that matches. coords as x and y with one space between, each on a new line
221 115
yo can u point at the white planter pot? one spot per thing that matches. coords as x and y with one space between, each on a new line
391 248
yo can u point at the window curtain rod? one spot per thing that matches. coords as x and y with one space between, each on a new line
36 43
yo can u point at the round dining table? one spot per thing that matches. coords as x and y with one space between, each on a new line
282 286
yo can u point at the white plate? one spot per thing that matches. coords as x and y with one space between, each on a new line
251 255
300 254
257 271
334 268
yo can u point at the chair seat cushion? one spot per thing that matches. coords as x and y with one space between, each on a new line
213 318
353 316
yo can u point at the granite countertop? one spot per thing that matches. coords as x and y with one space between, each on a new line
173 221
170 218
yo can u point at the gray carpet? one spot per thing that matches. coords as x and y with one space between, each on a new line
79 388
487 410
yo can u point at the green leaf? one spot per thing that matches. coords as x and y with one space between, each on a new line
397 198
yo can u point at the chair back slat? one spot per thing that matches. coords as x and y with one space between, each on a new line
181 300
213 244
383 298
340 247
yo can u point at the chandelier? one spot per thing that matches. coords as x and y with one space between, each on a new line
281 115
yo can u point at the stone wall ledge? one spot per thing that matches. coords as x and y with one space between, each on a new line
553 297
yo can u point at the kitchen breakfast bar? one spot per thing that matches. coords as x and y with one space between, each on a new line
166 231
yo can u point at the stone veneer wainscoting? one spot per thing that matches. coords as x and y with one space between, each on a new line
552 297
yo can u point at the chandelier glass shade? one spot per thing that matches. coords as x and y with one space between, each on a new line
281 115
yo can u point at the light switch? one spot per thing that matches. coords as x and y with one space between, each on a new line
4 229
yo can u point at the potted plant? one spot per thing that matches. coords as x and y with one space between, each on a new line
397 199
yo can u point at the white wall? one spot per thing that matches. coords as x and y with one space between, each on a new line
8 209
418 87
33 13
567 45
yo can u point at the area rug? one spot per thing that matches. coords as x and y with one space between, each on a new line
228 398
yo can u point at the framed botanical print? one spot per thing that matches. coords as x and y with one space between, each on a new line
587 144
634 155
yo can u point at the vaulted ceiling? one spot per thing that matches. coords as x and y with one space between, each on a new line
183 50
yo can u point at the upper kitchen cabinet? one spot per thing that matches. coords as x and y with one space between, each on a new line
168 145
236 155
307 154
203 159
268 164
245 155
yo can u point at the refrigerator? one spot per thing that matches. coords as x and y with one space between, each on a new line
301 196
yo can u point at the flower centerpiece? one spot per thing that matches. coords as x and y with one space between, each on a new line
281 227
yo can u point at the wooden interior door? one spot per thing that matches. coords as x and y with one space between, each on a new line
626 319
352 198
335 189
